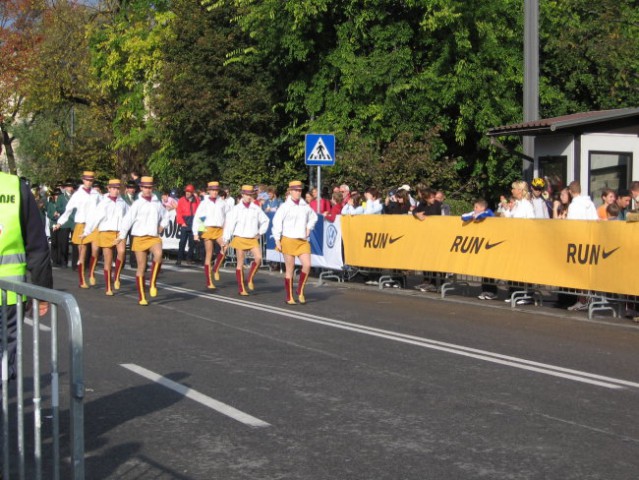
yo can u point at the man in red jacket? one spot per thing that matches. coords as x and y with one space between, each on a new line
185 213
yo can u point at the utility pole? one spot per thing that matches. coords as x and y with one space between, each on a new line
531 79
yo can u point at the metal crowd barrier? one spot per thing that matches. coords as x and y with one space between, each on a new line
57 300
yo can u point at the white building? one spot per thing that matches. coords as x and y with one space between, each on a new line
600 149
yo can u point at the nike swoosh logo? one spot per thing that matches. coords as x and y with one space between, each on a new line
393 240
607 254
491 245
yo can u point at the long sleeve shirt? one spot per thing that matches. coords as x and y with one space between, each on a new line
293 220
35 241
523 209
373 207
246 221
83 201
186 210
582 208
144 218
109 215
210 213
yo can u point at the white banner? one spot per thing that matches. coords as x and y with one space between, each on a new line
326 245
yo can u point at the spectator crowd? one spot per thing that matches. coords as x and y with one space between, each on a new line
528 201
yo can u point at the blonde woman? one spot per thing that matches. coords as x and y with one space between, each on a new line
523 207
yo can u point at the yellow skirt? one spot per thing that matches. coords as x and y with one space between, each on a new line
241 243
107 239
295 246
212 233
77 239
144 243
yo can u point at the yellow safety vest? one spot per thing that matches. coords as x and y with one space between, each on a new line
13 258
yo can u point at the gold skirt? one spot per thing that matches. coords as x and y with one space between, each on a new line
241 243
144 243
295 246
77 238
107 239
212 233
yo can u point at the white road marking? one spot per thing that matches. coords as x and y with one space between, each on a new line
216 405
516 362
43 327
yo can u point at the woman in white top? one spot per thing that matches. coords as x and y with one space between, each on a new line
245 224
83 203
523 207
209 219
108 218
292 226
373 203
147 218
353 205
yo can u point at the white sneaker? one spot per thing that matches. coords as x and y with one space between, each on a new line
487 296
372 282
579 306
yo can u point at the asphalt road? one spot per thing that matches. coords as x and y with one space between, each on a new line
357 384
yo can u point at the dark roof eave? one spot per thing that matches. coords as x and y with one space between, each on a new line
523 132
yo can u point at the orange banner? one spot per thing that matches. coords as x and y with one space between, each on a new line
588 255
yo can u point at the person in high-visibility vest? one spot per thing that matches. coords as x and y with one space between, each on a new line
292 226
147 218
23 247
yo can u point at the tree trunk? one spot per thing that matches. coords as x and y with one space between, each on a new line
8 148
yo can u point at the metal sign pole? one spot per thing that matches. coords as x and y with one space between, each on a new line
318 200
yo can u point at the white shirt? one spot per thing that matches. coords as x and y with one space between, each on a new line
293 220
144 217
582 208
245 222
540 208
373 206
108 215
210 213
351 210
523 209
83 203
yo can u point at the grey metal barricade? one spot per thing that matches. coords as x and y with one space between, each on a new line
57 300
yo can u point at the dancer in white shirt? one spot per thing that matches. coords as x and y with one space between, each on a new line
245 224
209 218
147 218
292 226
108 218
83 202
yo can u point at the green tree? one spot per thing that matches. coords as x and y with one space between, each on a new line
126 59
373 72
64 128
216 117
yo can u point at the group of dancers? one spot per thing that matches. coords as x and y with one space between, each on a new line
104 222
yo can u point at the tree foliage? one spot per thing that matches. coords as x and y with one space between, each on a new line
193 90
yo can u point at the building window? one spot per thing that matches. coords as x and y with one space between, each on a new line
554 169
609 170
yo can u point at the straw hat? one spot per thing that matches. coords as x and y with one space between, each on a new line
147 182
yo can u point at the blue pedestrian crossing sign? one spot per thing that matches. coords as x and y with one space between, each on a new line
320 149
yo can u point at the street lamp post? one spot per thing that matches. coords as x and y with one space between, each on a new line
531 78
